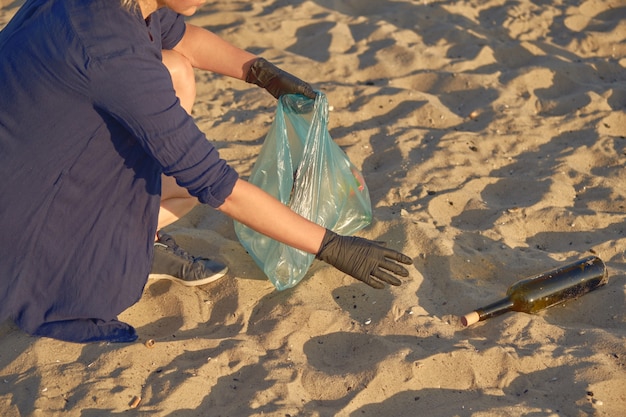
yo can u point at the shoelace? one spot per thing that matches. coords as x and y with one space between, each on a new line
170 245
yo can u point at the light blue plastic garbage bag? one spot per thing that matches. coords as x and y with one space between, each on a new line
303 167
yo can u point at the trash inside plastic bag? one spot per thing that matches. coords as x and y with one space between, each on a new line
303 167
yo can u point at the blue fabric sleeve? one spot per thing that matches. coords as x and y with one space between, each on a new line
139 94
172 27
136 89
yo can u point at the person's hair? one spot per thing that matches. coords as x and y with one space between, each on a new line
129 4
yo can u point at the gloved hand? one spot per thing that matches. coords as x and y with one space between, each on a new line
276 81
363 259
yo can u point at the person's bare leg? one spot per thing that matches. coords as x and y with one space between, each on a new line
175 200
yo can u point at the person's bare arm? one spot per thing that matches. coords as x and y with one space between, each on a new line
207 51
363 259
258 210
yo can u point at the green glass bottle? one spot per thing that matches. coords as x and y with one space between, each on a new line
546 290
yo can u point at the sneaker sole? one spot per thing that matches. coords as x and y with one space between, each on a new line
195 283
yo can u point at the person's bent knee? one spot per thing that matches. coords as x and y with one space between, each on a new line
179 66
183 77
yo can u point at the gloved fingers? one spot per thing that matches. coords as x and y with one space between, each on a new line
285 83
372 282
394 267
277 81
386 277
303 88
397 256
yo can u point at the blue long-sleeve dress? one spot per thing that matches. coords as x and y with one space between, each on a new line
89 121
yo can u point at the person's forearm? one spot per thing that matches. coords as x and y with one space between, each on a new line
260 211
205 50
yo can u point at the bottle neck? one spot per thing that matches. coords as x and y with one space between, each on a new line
495 309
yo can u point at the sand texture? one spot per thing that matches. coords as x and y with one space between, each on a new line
492 136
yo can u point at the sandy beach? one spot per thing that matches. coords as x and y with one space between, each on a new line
492 137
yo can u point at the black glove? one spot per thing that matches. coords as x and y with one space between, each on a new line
363 259
276 81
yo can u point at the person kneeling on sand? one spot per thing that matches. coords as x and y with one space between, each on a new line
98 152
